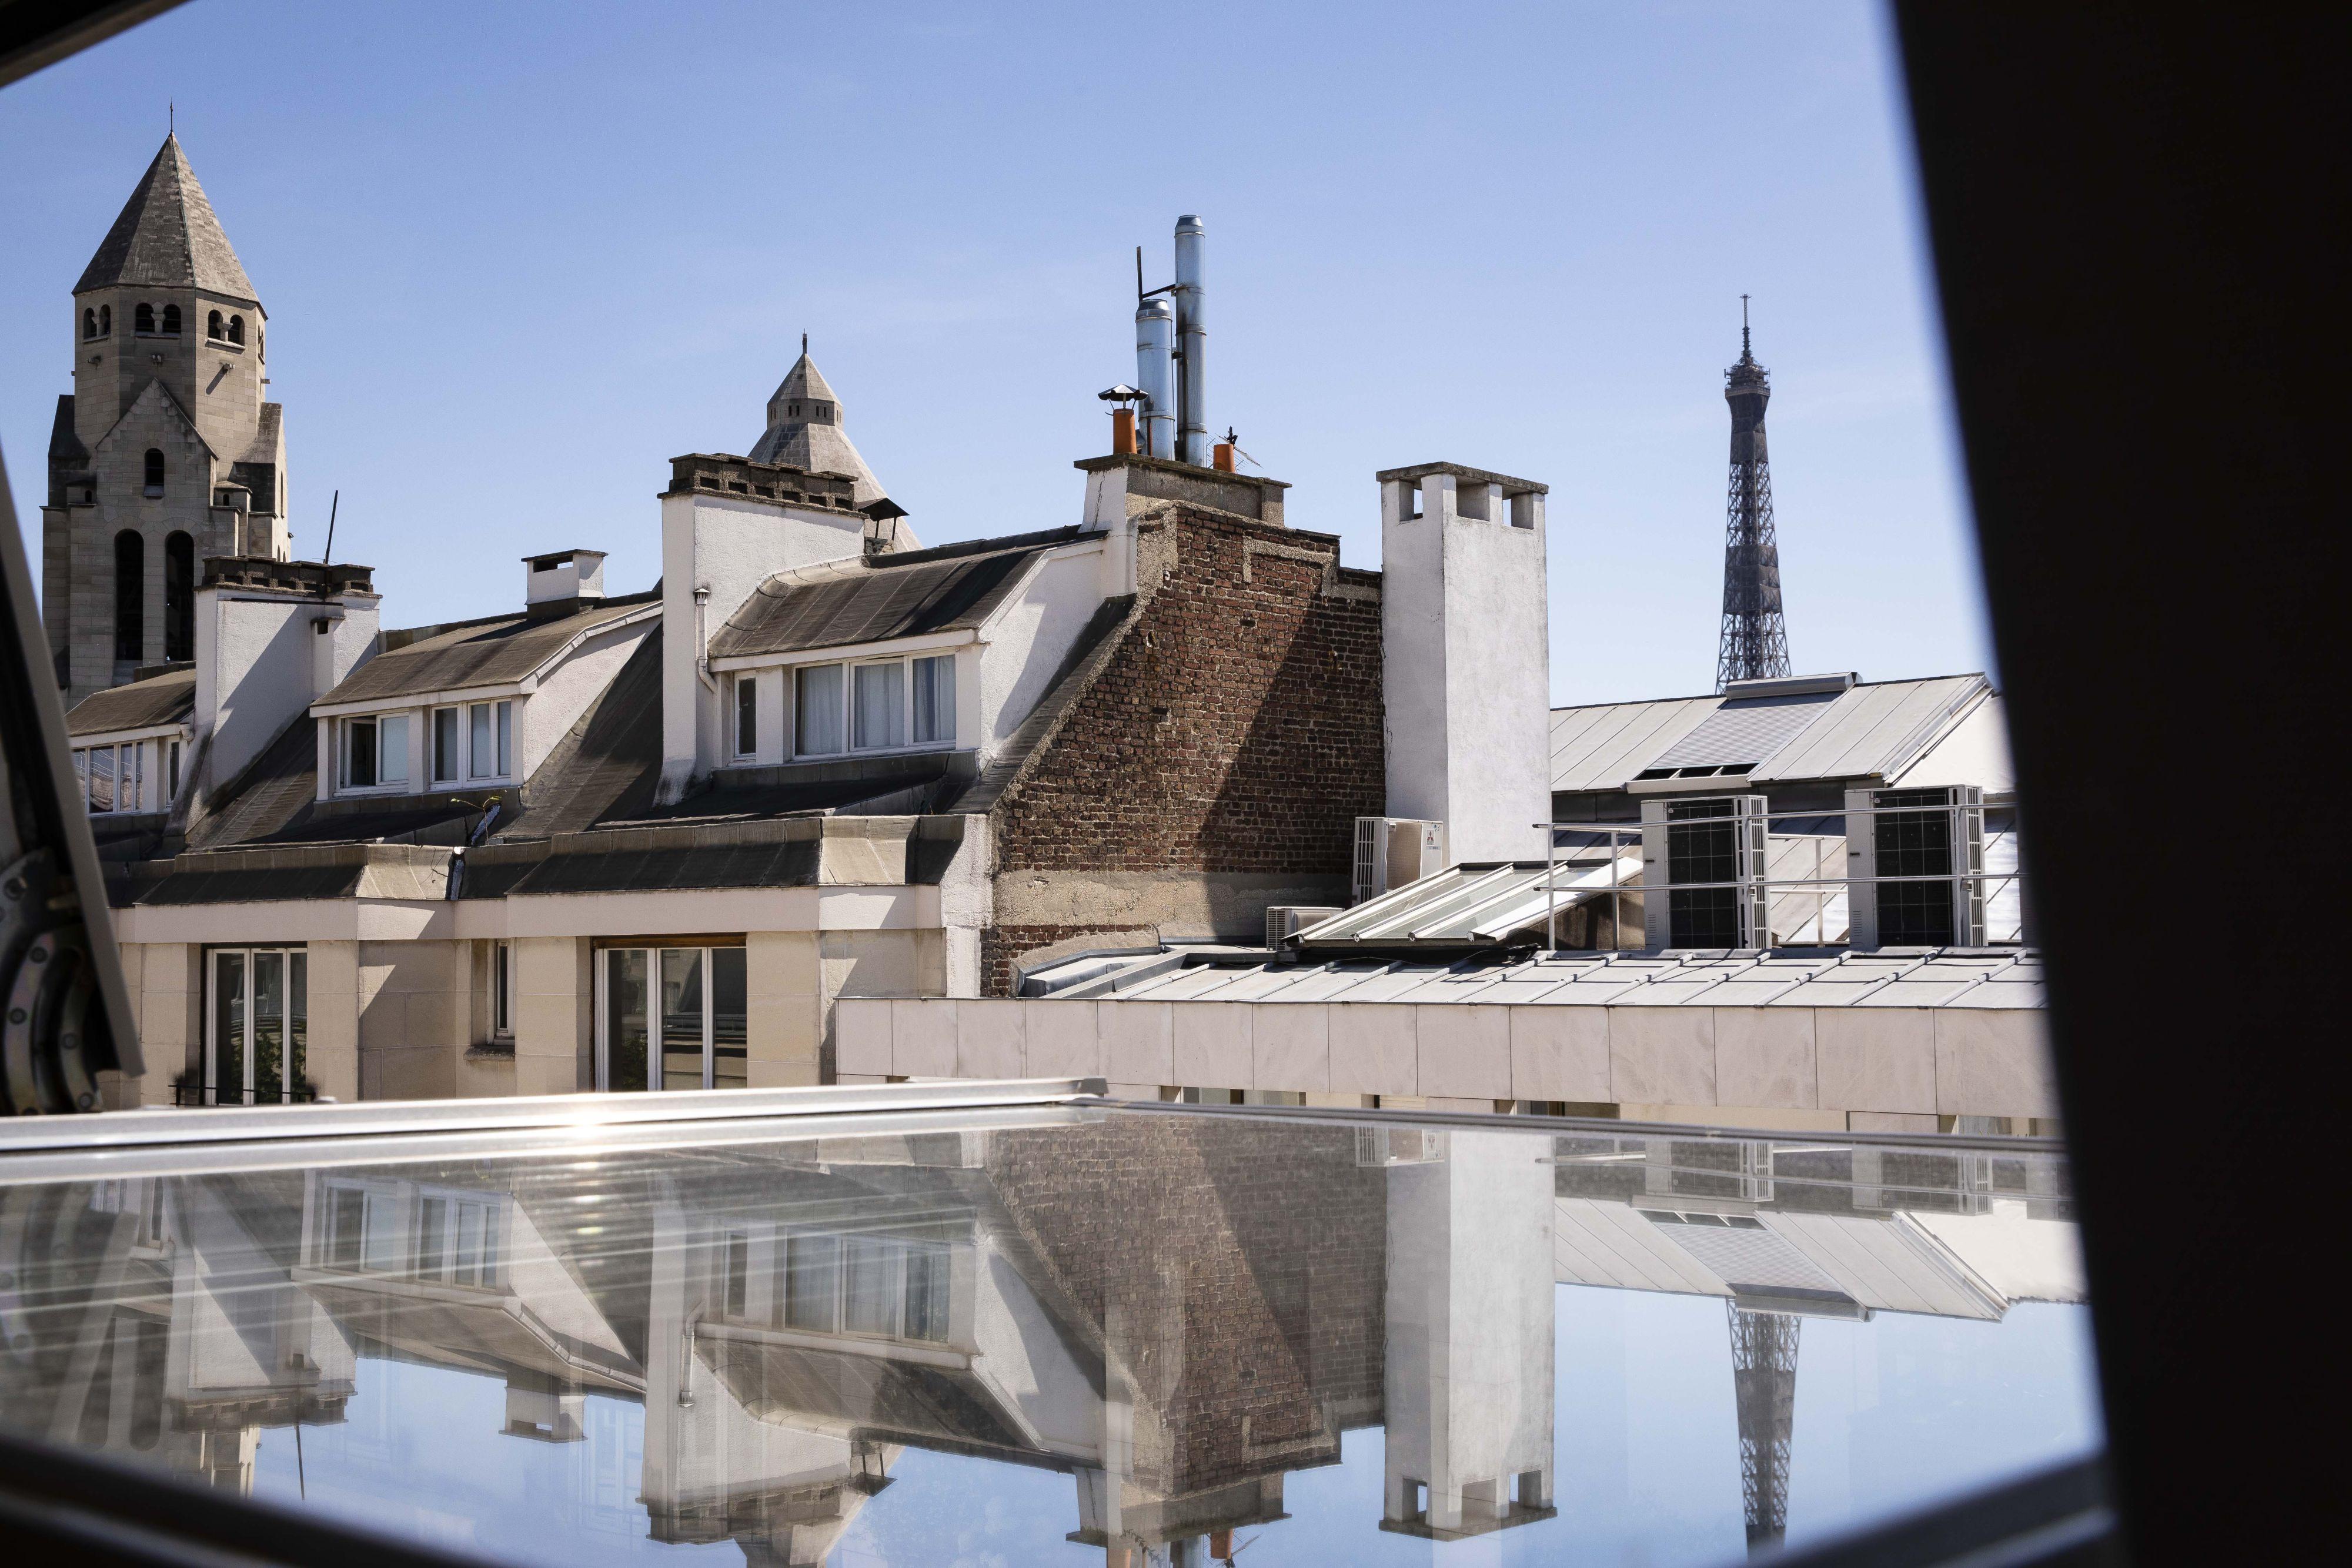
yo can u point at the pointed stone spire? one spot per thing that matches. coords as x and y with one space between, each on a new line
804 430
168 237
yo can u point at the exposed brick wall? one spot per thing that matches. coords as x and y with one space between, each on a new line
1237 727
1238 1269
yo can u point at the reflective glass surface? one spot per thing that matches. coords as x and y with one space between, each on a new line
1068 1336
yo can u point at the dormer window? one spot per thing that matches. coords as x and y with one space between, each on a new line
143 320
215 328
171 320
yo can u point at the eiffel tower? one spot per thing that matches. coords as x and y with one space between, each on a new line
1754 641
1764 1383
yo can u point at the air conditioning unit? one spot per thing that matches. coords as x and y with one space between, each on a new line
1708 856
1284 921
1392 852
1936 835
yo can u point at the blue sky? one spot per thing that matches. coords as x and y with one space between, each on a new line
515 258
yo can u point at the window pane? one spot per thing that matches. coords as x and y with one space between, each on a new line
927 1293
444 745
298 1020
101 779
811 1281
484 749
506 740
747 714
172 771
344 1227
681 1014
501 988
268 1028
881 710
739 1271
470 1219
359 768
870 1273
391 765
817 710
377 1234
934 700
228 1029
729 1014
433 1239
625 1018
133 783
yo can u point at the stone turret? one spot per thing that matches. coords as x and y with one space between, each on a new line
805 430
165 453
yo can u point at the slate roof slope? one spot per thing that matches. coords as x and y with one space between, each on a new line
609 762
496 652
949 589
1874 728
159 699
167 235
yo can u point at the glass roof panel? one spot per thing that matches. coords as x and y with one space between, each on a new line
1051 1334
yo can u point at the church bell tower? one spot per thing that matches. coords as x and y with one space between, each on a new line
165 453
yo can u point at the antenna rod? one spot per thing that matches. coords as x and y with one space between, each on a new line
332 510
1138 274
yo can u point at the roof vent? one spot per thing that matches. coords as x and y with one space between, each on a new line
1789 686
563 578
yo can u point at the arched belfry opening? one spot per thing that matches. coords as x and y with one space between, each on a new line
131 595
179 597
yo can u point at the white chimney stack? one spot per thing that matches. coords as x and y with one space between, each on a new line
562 576
1465 656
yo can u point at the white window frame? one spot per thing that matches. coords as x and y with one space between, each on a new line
743 687
900 1248
600 980
455 779
487 1262
130 752
289 1071
495 718
346 725
847 715
502 979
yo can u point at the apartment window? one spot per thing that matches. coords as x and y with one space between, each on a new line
113 778
375 751
877 1286
880 720
492 725
671 1018
502 989
817 710
747 714
457 1238
170 771
934 701
445 745
256 1026
362 1229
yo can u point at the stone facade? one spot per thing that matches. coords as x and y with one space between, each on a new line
165 437
1216 761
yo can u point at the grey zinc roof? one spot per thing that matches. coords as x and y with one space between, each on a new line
160 699
492 653
1876 729
1872 729
837 606
167 235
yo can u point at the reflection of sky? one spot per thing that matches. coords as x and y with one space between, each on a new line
1890 1415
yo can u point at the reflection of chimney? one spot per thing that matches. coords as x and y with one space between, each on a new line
1764 1381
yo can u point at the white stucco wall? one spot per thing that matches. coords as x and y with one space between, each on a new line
727 545
1025 641
564 693
258 665
1465 662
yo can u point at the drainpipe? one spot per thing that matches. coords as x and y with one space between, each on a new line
702 640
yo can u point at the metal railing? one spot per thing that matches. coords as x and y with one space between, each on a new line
1828 889
186 1095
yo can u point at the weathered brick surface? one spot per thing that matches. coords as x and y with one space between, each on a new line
1236 728
1237 1270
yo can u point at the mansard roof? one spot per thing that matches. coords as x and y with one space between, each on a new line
168 237
167 698
908 595
494 653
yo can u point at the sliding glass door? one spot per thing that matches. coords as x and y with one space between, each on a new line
670 1018
256 1026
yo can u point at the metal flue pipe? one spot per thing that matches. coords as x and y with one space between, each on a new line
1192 339
1155 372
